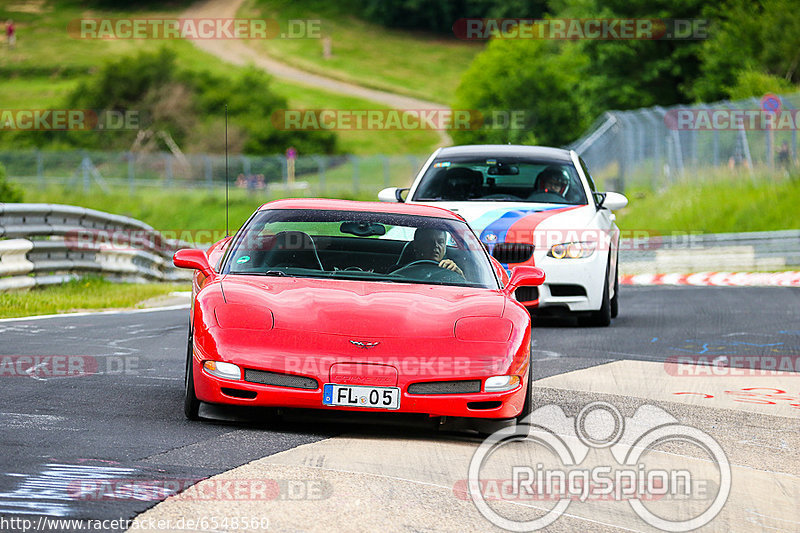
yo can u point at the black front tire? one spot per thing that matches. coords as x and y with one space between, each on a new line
191 405
615 299
602 317
527 407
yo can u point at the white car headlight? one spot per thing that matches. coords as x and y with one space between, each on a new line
572 250
500 383
222 370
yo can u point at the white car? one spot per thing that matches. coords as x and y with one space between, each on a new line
532 205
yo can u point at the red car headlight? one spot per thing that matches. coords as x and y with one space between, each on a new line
500 383
222 370
244 316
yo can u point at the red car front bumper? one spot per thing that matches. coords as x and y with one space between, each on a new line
496 405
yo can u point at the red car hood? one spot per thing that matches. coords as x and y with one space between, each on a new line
362 308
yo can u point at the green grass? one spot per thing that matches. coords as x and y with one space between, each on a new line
716 203
359 142
177 209
47 63
91 293
172 211
426 66
42 92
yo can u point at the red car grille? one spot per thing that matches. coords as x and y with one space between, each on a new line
263 377
445 387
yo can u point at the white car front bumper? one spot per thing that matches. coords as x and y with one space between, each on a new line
576 284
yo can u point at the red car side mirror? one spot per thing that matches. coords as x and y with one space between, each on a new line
196 259
524 276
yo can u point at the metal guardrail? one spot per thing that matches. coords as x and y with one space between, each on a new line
753 252
45 244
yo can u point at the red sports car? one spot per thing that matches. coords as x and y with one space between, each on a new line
340 305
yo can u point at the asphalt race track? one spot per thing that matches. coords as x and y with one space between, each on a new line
101 412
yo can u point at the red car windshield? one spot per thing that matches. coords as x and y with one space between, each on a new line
358 245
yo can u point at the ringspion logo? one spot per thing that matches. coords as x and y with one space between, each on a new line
600 456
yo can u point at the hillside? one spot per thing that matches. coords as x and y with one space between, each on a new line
48 63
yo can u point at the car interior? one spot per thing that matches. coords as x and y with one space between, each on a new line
496 181
292 252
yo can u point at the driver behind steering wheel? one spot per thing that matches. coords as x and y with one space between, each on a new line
429 244
552 180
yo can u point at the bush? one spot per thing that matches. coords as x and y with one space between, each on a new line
188 105
9 192
439 15
540 79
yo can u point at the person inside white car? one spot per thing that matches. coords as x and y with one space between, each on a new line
553 181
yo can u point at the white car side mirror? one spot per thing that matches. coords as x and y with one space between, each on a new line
614 201
391 194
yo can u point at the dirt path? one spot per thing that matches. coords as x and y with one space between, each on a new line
237 52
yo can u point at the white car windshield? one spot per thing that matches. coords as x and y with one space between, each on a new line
501 180
359 245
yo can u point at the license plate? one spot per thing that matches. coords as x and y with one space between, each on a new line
360 396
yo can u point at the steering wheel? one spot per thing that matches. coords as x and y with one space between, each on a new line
430 270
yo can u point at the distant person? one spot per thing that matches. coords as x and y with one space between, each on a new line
327 46
784 156
11 33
